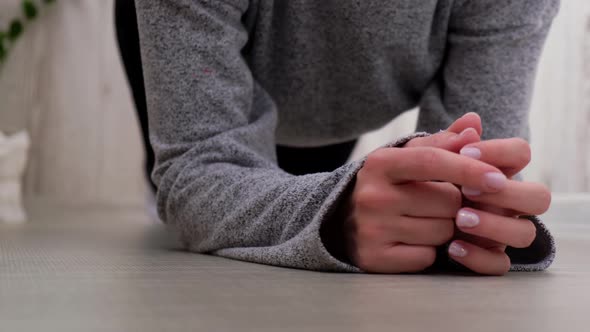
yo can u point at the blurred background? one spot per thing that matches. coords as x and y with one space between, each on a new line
64 83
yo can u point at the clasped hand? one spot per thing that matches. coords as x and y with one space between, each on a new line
450 187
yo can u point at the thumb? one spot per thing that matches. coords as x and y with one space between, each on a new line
469 120
446 140
463 131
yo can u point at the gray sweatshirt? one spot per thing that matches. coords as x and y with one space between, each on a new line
227 80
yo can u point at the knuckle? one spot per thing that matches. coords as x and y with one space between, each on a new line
363 195
469 171
436 140
455 199
443 234
542 200
366 233
428 157
449 137
545 199
447 231
524 151
416 142
527 236
373 197
361 177
439 140
400 229
422 161
499 268
504 265
427 259
530 234
378 158
365 260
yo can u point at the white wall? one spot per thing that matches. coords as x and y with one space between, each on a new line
64 82
560 114
561 110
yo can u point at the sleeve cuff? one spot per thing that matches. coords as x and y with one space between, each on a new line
539 255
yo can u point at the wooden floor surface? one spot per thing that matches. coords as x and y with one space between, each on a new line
91 269
64 82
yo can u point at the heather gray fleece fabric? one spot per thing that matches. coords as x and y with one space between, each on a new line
229 79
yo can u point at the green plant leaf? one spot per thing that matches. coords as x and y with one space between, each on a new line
2 52
15 30
30 9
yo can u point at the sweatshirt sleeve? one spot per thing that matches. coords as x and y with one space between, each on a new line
492 54
219 186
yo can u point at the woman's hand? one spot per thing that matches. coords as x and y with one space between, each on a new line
489 222
398 214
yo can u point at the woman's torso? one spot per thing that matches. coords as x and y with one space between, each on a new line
336 69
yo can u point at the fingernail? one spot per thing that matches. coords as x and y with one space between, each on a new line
495 180
470 192
467 219
457 250
466 131
470 152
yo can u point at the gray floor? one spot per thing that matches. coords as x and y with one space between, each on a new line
99 270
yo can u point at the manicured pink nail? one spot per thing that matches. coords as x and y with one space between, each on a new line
470 152
470 192
495 180
466 218
457 250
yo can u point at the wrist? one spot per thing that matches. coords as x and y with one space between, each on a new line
333 231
